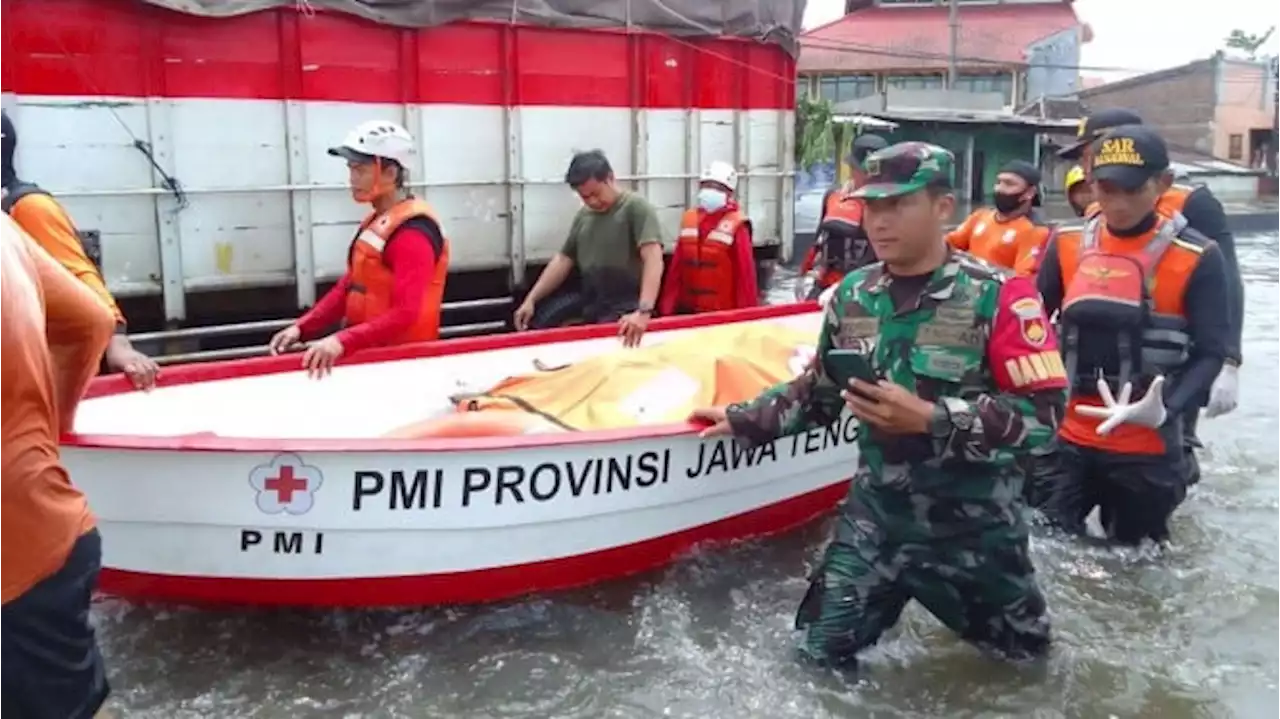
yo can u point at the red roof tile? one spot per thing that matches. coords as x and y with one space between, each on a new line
893 38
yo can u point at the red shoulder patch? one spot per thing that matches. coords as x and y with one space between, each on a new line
1023 350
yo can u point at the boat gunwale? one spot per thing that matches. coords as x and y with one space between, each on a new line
280 364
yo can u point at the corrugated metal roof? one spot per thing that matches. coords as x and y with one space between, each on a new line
1210 167
918 38
962 117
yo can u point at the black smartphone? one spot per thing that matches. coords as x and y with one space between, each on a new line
844 365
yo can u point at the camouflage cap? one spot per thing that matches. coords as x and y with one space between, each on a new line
905 168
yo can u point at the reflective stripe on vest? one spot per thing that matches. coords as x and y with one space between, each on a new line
371 280
709 282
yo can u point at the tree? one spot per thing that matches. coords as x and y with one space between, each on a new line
1248 43
815 136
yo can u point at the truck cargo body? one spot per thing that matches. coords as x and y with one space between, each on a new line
196 146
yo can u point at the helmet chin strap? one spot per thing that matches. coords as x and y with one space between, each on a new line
380 187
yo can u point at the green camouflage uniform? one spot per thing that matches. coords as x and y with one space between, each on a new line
934 519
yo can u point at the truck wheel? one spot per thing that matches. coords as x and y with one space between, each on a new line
559 310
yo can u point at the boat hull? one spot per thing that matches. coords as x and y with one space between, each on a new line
400 529
190 513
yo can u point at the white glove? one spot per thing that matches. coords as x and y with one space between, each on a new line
1225 395
804 285
1146 412
824 299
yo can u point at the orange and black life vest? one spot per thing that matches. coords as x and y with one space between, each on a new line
1113 293
1124 321
369 295
708 278
842 239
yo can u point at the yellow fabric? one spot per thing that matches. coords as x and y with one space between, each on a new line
659 384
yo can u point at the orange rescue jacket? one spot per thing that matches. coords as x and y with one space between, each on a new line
371 279
1132 289
709 278
842 236
1014 244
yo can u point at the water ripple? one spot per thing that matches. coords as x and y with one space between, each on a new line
1188 631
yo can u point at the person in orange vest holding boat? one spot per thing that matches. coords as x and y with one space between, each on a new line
1009 235
713 268
55 331
841 244
1204 214
46 222
1079 194
1141 299
393 288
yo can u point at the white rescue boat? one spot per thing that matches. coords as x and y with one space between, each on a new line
246 482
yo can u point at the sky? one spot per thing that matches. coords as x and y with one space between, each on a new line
1165 38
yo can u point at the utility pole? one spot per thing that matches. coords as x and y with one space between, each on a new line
953 20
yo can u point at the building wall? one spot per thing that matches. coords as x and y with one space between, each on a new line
1179 102
1244 103
992 148
844 87
1054 64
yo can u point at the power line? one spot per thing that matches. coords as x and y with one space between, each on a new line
852 48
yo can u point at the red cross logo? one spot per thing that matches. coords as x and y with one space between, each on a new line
286 484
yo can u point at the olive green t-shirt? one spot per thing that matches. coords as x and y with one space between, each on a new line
605 246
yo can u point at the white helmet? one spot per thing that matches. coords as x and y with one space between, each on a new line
722 173
376 138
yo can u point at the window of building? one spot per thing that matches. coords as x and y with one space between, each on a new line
995 82
1235 147
846 87
915 82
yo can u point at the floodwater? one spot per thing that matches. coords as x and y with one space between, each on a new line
1189 631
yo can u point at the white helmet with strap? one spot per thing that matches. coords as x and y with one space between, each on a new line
377 138
722 173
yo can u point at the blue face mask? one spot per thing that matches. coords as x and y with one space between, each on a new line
711 199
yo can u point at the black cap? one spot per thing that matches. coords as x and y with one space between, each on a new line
1128 156
864 145
1093 126
1028 172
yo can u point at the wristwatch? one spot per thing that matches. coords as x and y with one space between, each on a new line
645 308
940 424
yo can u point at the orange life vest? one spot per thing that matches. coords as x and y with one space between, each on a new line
708 280
1125 305
843 241
369 295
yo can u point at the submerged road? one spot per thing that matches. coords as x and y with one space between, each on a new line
1185 632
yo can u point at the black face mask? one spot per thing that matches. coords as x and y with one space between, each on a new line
1006 203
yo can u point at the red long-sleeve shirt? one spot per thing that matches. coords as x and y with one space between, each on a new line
411 255
746 291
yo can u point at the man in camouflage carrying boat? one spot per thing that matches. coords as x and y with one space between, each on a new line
964 375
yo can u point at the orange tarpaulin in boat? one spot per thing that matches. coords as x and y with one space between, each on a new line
625 388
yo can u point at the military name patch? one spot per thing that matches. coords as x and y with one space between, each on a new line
857 329
1036 368
950 334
